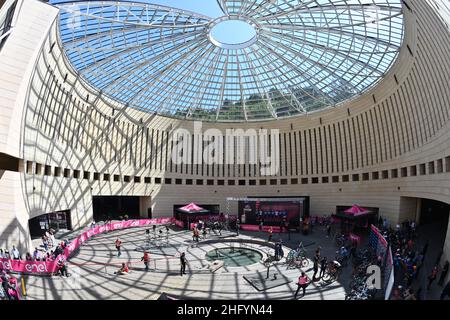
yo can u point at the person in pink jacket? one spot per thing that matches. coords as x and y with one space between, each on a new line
303 282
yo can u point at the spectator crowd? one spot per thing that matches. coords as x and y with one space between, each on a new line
409 260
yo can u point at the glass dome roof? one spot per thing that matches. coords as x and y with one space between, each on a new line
305 55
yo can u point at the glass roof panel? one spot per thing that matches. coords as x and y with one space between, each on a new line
306 55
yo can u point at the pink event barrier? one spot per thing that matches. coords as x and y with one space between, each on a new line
52 266
254 227
29 266
355 238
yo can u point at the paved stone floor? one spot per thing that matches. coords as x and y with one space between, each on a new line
94 265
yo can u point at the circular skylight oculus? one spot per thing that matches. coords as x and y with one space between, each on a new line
232 33
296 57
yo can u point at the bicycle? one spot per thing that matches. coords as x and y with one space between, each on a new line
332 271
358 282
296 260
340 240
361 293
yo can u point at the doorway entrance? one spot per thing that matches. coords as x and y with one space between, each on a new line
59 220
115 207
433 211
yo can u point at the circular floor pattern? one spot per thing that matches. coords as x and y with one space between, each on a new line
93 275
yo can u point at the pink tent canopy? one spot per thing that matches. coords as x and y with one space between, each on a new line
356 210
192 208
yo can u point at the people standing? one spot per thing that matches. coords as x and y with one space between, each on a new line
328 230
15 253
146 259
270 234
5 281
412 228
323 266
62 268
278 249
288 230
45 242
432 277
318 252
118 245
316 264
195 234
444 273
302 283
36 255
183 263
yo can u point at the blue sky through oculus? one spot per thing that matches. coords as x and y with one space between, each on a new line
306 55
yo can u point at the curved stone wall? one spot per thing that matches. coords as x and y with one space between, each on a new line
382 149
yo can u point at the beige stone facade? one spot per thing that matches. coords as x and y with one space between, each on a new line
386 148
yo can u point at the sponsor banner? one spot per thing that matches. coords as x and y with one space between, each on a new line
28 266
380 245
52 266
252 227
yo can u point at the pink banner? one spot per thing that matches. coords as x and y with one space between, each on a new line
179 224
379 235
28 266
254 227
52 266
355 238
77 242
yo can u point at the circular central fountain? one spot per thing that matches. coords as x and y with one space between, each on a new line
234 257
